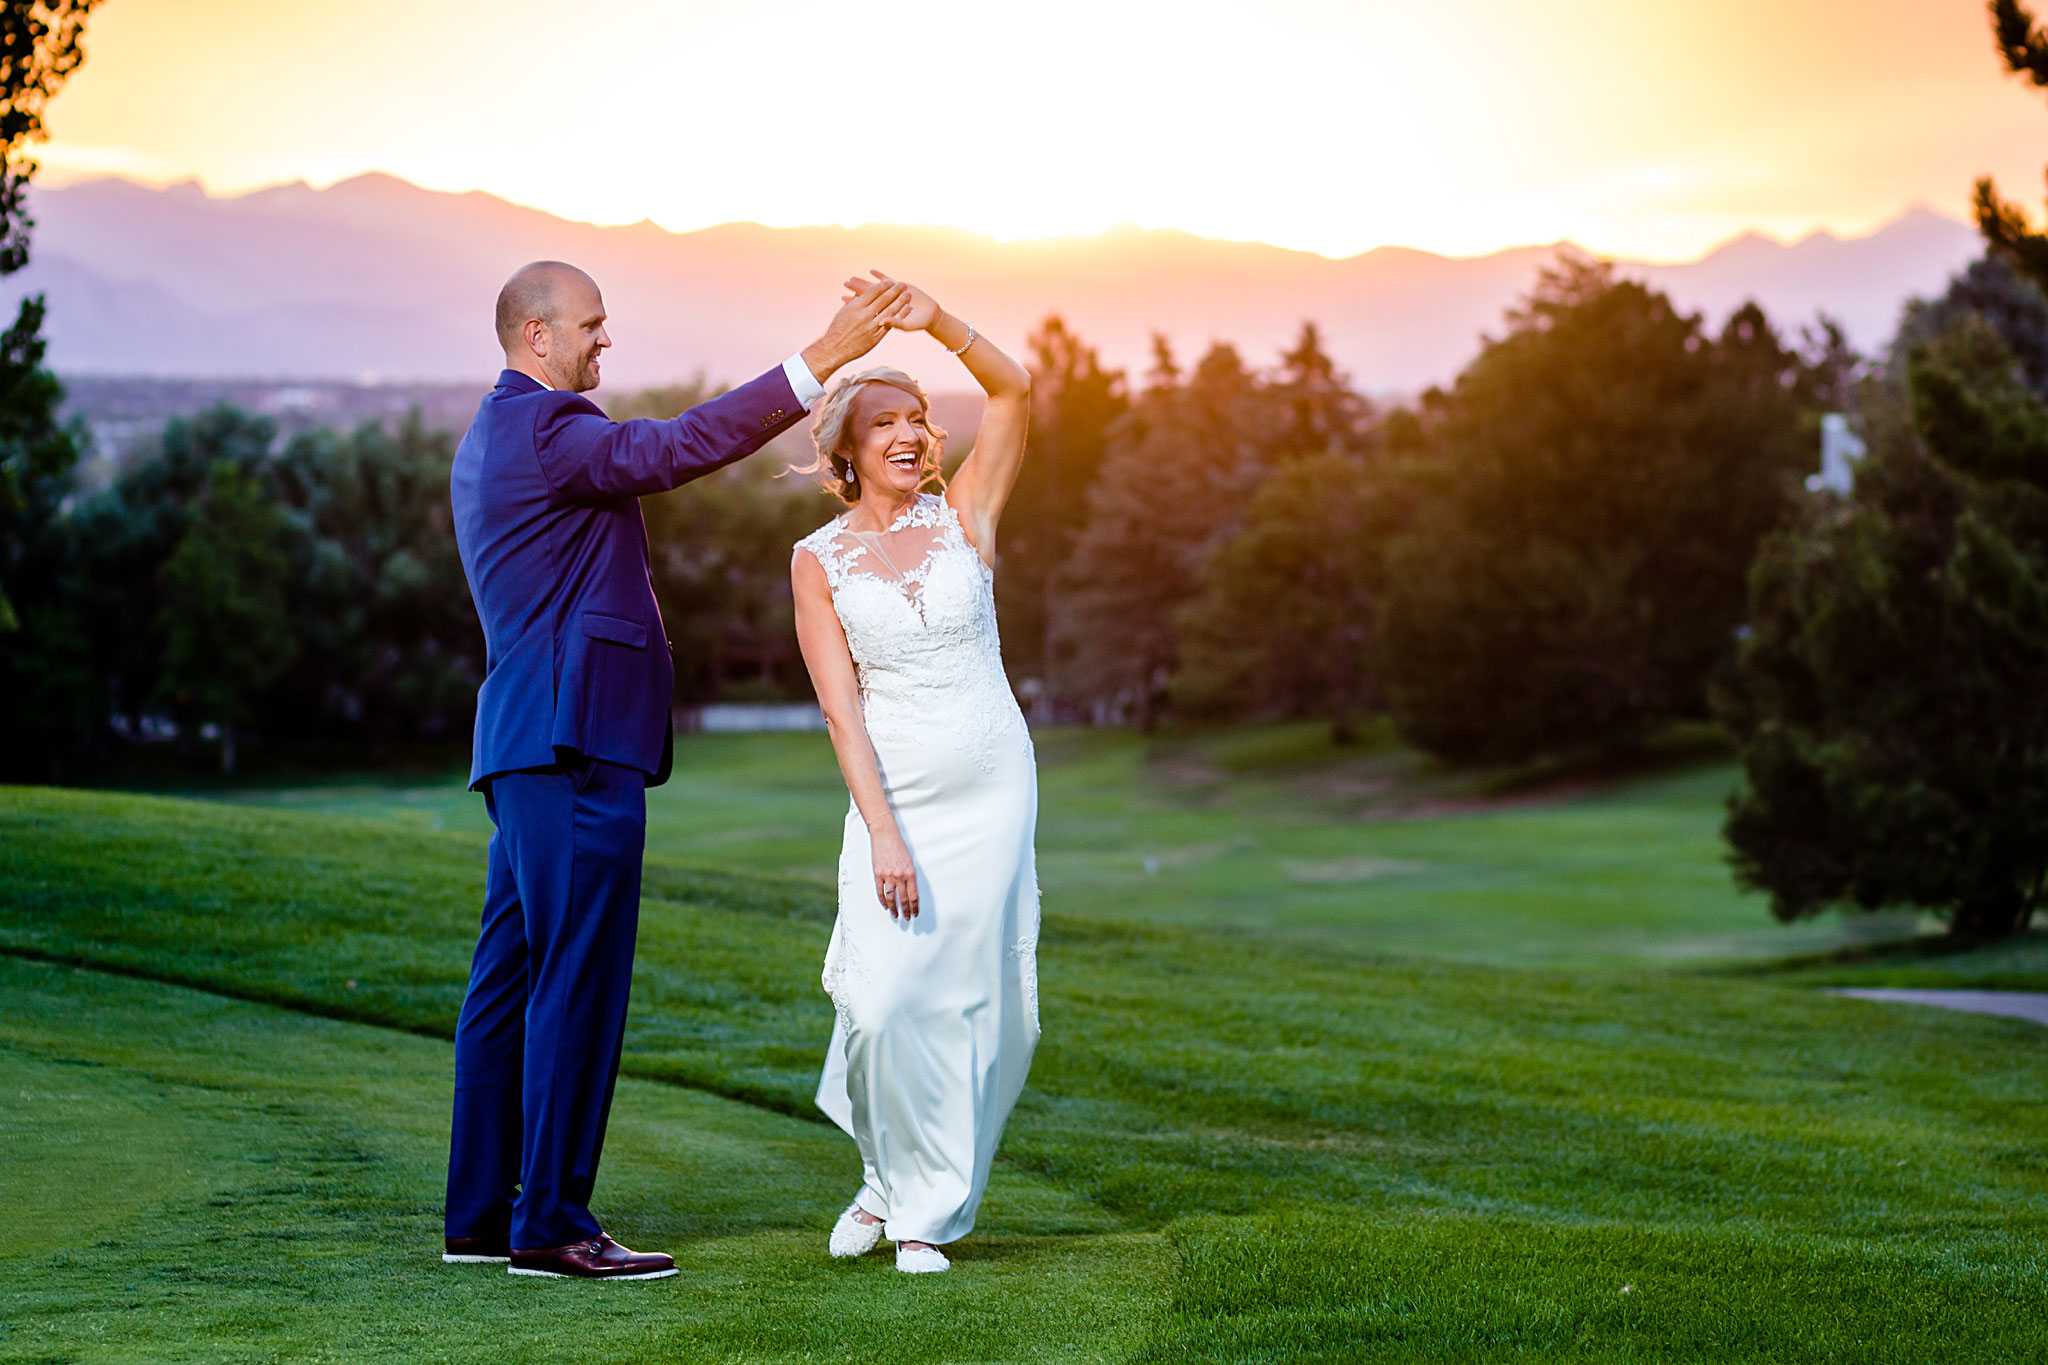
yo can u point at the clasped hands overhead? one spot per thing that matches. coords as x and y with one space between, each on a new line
869 310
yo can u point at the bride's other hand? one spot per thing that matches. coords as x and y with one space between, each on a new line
895 874
917 311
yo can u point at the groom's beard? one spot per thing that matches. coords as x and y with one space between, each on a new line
581 377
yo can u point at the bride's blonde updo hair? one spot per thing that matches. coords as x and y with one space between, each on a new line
832 432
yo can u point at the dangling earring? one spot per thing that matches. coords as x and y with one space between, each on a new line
851 477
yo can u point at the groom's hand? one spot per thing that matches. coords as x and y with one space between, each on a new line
860 322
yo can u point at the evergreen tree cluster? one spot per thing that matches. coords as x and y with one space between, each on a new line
1549 556
311 594
41 44
1584 514
1178 474
1892 699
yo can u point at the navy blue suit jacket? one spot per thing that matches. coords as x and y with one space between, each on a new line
547 517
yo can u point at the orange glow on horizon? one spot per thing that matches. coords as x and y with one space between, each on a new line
1652 132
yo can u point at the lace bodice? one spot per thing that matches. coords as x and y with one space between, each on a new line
917 603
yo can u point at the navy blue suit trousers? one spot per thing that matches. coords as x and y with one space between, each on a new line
537 1046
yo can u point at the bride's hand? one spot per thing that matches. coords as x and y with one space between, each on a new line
895 874
916 313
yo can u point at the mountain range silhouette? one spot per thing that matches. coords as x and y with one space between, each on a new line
376 278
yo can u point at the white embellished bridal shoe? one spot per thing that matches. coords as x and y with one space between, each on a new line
852 1237
921 1260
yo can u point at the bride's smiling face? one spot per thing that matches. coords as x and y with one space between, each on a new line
891 437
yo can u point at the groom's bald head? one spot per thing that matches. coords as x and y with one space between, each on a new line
551 318
534 294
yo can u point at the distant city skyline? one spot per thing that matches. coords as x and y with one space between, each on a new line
1653 132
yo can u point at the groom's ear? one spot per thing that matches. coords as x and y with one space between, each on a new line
535 334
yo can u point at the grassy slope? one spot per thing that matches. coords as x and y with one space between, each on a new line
1256 828
209 1180
1351 1158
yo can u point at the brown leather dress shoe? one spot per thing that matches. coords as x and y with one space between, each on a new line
599 1258
476 1250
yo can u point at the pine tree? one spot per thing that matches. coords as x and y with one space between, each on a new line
1319 410
387 643
225 620
2024 47
39 47
1287 611
1595 486
1892 700
44 671
1173 484
1076 402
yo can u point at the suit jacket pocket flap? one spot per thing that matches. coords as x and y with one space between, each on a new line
615 629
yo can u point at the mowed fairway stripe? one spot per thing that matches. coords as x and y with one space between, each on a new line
195 1178
1349 1158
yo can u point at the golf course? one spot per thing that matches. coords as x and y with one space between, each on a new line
1345 1058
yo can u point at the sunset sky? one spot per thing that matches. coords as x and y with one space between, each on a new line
1644 128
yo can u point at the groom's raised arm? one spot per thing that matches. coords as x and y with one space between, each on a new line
587 457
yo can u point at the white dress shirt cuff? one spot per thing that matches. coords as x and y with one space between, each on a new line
802 382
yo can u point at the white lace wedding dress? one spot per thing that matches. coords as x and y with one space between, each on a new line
938 1015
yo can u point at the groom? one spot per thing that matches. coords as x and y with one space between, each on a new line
572 726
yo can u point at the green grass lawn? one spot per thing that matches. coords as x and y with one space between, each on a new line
1234 1148
196 1178
1265 828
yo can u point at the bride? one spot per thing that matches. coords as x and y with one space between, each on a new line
932 965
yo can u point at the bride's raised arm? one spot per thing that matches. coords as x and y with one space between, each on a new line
982 484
